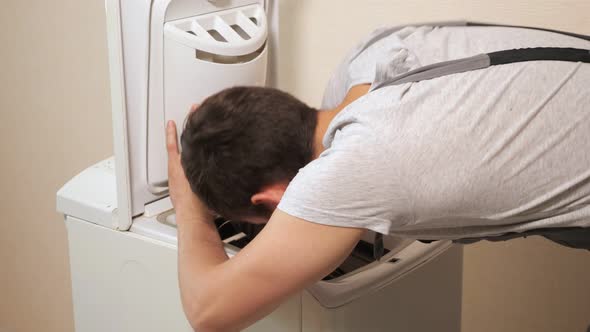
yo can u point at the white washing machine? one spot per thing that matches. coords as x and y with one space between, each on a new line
164 56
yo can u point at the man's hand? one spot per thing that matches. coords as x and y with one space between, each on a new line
187 205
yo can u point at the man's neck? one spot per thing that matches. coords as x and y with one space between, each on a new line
325 117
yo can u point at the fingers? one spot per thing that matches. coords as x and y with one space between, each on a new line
171 138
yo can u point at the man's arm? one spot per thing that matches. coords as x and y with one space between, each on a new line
219 294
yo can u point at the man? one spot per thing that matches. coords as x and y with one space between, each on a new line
477 154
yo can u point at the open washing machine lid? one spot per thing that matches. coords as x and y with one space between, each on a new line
143 38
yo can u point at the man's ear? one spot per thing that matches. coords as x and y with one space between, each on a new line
269 196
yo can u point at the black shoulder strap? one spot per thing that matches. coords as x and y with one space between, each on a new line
539 54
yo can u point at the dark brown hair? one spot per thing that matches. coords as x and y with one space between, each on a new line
242 139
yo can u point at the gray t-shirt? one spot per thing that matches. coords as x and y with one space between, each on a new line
482 153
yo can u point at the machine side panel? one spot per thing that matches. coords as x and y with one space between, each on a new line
137 291
113 292
426 299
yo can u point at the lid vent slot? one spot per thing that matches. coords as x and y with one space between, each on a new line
217 36
238 29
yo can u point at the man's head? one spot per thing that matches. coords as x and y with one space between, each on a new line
243 146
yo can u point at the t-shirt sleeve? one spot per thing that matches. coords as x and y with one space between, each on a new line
382 50
348 186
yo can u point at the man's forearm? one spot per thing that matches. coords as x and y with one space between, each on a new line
199 243
199 250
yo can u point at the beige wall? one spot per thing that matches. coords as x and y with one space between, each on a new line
55 120
525 285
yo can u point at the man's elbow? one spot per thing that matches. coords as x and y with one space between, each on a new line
203 325
199 322
204 318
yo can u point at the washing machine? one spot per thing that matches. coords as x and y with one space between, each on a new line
165 55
